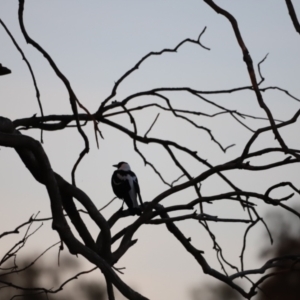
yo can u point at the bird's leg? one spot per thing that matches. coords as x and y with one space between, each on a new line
121 208
141 201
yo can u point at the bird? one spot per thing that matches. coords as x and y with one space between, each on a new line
126 187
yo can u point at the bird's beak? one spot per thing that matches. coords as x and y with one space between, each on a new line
115 166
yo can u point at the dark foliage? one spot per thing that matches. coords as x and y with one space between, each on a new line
42 274
285 284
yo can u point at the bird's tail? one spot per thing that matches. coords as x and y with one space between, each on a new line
132 205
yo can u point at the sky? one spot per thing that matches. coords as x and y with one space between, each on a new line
94 44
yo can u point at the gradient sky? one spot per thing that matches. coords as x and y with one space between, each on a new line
94 43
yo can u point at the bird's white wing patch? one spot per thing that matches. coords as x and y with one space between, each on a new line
121 177
116 183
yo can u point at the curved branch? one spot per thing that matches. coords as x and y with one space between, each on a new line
30 70
249 64
72 96
293 15
59 222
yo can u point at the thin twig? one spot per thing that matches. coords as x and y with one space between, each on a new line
151 125
200 35
30 70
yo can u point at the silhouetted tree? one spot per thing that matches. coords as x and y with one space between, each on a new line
114 111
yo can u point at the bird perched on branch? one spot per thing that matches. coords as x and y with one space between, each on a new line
125 186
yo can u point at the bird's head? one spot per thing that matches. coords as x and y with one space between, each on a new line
122 166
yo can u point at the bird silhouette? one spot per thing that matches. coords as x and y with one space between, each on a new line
125 186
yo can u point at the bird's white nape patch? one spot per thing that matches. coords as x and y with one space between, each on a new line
125 167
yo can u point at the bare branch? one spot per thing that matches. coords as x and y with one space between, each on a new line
200 35
30 70
249 64
73 98
151 125
293 15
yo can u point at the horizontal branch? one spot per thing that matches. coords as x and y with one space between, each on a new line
199 217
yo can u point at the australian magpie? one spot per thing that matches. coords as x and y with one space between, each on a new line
125 185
